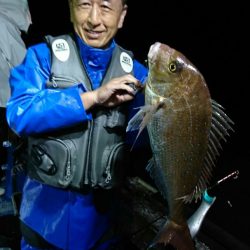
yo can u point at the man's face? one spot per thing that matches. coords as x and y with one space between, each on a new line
97 21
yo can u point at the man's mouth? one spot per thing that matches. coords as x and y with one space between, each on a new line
93 34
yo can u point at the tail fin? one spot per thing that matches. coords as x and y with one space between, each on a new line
178 236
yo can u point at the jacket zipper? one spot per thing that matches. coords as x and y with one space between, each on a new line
110 159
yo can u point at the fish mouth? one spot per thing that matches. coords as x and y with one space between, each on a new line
153 50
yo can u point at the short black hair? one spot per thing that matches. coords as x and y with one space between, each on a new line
123 1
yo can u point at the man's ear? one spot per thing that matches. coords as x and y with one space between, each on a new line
122 17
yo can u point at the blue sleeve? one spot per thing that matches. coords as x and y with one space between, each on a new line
140 71
33 108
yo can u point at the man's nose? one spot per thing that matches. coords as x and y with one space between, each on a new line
94 15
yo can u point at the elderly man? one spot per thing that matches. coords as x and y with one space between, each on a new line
72 98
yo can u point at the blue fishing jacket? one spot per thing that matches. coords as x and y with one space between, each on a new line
66 219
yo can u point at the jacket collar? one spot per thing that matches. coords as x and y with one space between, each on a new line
95 57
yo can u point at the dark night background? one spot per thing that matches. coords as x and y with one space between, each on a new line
213 36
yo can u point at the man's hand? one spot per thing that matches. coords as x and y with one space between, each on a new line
115 92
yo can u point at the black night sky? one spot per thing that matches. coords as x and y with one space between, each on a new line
213 35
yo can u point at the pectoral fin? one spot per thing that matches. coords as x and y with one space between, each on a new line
140 120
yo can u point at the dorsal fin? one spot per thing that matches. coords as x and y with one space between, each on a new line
220 127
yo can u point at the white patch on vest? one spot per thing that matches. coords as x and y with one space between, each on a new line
126 62
61 49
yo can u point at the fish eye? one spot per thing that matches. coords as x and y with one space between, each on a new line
173 67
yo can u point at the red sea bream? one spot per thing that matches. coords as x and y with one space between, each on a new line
185 128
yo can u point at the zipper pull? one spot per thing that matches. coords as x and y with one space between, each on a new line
52 81
107 172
